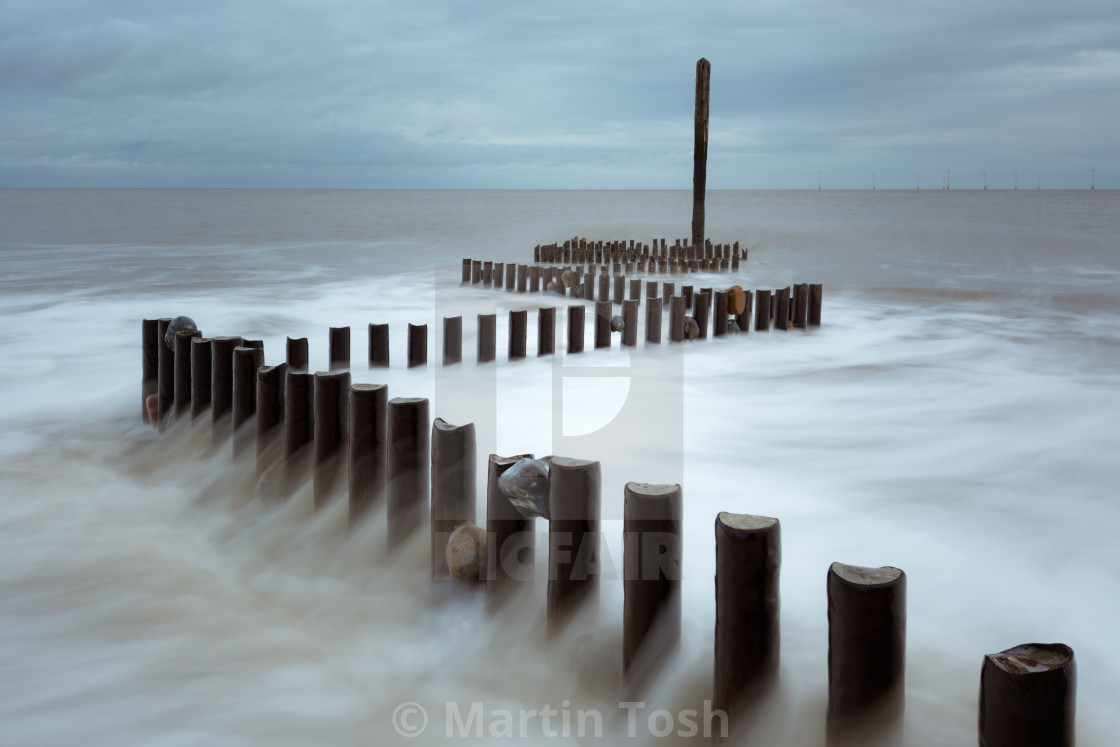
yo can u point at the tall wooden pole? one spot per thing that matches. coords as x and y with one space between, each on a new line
700 151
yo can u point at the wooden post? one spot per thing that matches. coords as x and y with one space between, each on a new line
635 290
667 291
676 319
270 414
332 425
575 329
630 323
866 651
417 345
453 492
651 573
546 330
221 385
201 364
487 274
299 431
686 291
701 313
338 351
573 538
452 340
762 312
183 370
487 336
518 333
165 374
407 503
604 287
369 447
719 322
509 536
511 276
748 561
801 305
246 362
653 319
466 270
476 272
499 274
619 289
522 271
816 290
1028 697
534 287
700 150
744 319
651 289
378 345
149 371
603 310
297 355
589 286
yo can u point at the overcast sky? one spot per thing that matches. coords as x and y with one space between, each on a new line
573 94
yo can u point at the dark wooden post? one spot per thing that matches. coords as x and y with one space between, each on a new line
518 332
619 289
748 561
604 288
762 311
816 290
417 345
378 345
487 337
297 355
744 319
466 270
686 291
407 503
165 374
453 493
801 305
1028 697
630 323
299 430
149 372
700 150
246 362
509 536
332 425
866 651
201 365
635 290
476 271
653 319
369 447
667 291
573 537
781 319
546 330
270 414
183 370
522 272
221 384
338 351
676 319
703 306
575 329
603 311
452 340
719 321
651 576
534 286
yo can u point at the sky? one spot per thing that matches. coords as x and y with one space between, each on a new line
579 94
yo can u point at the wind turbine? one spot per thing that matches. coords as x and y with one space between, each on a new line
1093 184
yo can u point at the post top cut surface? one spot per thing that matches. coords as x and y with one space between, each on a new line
331 374
855 574
368 387
443 425
406 400
645 488
571 462
1032 657
745 522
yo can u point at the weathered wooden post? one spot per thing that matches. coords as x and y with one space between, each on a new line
686 291
781 319
369 447
619 289
534 286
183 391
676 319
518 333
487 274
476 272
546 330
653 319
701 313
452 340
719 322
487 337
378 345
417 345
575 329
509 536
221 385
603 310
149 372
748 562
1028 697
630 323
332 425
246 363
296 355
604 288
270 414
201 366
573 538
635 290
651 576
816 290
407 503
466 270
338 351
700 150
522 272
743 318
651 289
801 305
165 374
299 430
453 493
667 291
499 274
866 651
762 311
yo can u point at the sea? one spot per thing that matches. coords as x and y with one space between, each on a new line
955 415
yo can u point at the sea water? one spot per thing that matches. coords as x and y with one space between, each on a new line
955 415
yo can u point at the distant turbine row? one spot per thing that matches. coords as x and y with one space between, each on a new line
947 184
